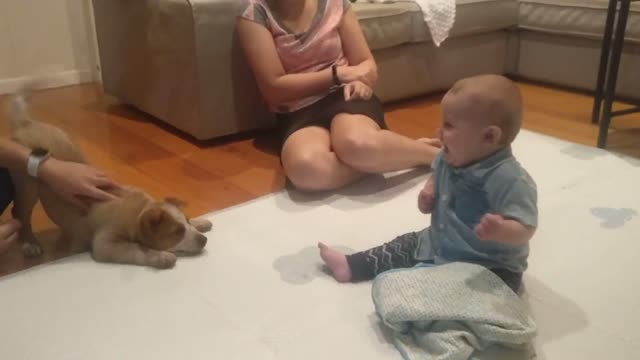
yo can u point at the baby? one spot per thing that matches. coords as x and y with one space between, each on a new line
483 203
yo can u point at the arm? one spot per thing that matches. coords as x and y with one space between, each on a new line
276 86
514 216
70 180
12 154
426 196
279 87
356 49
497 228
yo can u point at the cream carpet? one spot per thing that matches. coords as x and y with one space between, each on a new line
259 292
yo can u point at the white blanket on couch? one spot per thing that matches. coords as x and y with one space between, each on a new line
439 16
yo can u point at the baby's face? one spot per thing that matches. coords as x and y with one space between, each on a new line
462 135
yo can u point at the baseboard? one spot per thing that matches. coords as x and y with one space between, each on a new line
63 78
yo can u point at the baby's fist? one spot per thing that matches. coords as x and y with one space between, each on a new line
489 227
425 201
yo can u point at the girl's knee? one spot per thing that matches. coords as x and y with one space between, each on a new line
357 149
355 145
308 169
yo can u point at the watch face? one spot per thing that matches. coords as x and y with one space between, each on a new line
39 152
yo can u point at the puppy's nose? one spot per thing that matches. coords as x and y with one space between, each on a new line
202 240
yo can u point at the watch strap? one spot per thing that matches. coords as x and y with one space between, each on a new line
334 74
33 163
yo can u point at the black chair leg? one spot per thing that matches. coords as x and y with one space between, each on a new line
612 77
604 59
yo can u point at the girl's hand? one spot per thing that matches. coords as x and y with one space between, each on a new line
75 182
357 90
363 73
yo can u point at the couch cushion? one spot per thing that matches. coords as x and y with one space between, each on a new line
389 24
584 18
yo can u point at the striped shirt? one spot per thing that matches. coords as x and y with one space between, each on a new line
317 48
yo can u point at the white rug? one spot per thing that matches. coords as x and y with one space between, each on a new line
260 293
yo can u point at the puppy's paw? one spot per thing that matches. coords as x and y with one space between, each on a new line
31 249
164 260
202 225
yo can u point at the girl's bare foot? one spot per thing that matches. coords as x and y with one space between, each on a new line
336 262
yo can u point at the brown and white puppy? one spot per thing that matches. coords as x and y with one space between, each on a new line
133 229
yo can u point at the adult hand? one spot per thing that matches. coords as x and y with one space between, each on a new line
364 73
8 233
75 182
357 90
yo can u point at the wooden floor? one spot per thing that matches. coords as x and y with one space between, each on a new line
137 150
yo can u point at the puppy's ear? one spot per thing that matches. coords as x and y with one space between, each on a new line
179 203
159 230
150 221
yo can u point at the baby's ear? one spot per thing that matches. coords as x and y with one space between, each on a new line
493 134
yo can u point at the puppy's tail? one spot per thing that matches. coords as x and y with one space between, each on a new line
18 112
18 108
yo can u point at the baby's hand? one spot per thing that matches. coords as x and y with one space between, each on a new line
490 227
426 198
425 202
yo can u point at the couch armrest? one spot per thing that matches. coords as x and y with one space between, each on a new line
179 61
223 68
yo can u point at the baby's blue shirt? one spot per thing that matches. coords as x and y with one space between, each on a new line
497 185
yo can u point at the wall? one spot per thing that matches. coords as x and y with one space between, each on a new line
54 37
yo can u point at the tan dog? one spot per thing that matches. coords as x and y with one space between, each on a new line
134 229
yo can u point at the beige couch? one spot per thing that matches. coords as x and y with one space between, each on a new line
179 60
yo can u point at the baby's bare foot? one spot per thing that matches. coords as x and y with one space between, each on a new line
336 262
